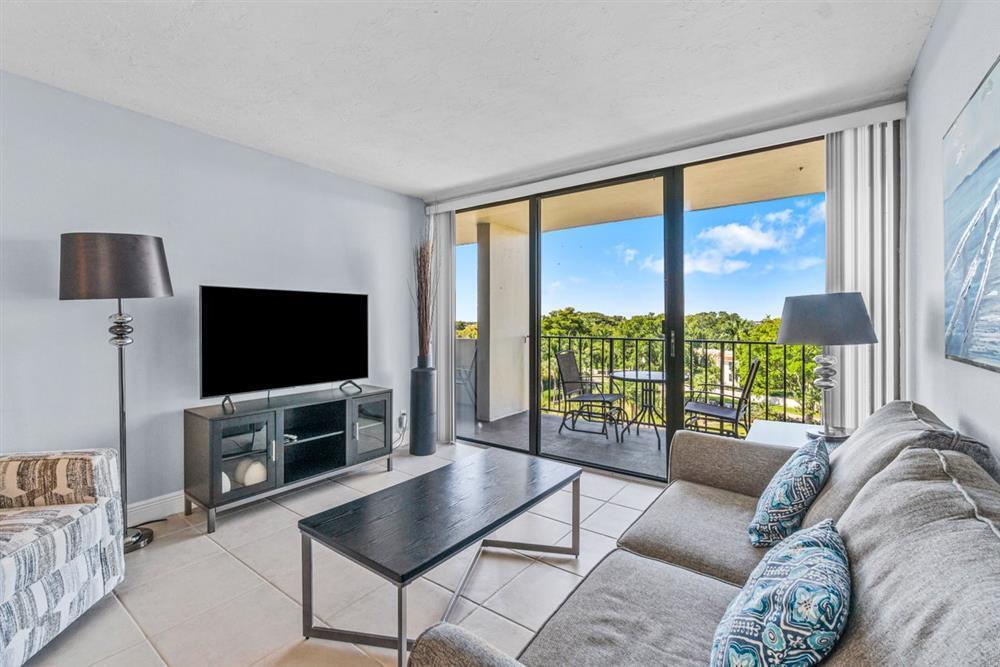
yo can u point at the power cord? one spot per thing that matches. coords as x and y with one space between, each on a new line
404 420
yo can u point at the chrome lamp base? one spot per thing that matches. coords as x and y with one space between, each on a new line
826 380
137 538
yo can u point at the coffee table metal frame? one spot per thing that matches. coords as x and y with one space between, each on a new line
400 642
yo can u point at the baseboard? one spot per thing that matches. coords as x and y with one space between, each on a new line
155 508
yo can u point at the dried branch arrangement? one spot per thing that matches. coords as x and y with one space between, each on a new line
425 275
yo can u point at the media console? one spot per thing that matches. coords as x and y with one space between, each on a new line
267 446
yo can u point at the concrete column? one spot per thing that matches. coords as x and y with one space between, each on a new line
502 361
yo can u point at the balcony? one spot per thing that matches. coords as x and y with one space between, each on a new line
782 391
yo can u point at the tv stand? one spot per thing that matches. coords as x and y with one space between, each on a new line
236 453
351 383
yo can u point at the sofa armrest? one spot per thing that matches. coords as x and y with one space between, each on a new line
726 463
447 645
58 478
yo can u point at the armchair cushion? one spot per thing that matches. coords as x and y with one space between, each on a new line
58 478
447 645
36 541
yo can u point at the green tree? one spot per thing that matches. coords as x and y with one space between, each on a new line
466 330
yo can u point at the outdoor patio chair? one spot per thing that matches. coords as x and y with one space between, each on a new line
728 413
585 400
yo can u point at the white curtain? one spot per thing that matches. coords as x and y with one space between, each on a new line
444 325
863 217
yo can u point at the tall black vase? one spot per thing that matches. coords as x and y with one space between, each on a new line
423 417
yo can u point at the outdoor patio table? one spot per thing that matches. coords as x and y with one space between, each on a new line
650 384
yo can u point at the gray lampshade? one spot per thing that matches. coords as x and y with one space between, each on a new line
826 319
96 265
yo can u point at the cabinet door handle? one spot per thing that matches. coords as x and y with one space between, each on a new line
274 453
357 430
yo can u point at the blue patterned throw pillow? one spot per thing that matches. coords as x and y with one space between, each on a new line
789 494
793 607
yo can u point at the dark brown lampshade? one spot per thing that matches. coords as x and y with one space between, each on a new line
839 318
97 265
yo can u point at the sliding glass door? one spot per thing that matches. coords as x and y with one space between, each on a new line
563 324
603 378
577 338
492 341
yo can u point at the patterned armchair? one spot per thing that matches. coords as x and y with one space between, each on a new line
60 543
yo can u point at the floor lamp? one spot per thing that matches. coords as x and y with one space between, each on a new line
116 266
839 318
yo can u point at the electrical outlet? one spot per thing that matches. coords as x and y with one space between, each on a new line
401 421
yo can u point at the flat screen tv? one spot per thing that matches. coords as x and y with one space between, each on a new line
254 339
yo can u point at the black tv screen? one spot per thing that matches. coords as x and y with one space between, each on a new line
254 339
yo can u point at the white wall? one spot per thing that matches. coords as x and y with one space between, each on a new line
228 215
507 283
959 50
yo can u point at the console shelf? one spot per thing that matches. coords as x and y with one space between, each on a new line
231 459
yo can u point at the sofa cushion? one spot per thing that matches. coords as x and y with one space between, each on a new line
789 495
890 430
793 607
698 527
923 537
633 610
37 541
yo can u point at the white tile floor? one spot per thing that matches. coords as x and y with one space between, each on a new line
233 597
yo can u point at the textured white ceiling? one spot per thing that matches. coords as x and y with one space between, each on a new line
435 99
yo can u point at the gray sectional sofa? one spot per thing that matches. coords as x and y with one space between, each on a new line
918 507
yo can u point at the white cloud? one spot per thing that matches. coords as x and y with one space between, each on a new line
650 264
779 216
713 262
555 285
802 263
625 254
816 213
734 238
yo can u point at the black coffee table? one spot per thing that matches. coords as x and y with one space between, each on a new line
402 532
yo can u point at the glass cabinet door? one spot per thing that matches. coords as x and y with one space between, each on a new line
245 456
371 429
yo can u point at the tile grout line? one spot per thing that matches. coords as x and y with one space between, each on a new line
534 558
145 637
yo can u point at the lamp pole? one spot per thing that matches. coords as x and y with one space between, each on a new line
121 335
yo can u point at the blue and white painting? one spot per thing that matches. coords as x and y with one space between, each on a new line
972 229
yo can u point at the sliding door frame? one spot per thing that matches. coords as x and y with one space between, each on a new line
672 179
673 298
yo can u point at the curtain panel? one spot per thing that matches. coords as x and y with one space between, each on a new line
863 247
443 341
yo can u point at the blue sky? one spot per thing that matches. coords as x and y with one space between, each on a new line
743 259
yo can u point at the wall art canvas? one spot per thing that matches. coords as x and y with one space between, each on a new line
972 228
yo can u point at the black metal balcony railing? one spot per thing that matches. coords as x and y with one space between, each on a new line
780 391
